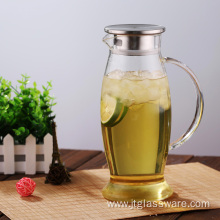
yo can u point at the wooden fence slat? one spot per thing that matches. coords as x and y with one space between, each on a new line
30 152
1 149
8 150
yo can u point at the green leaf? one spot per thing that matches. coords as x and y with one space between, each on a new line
25 76
32 104
50 83
22 87
17 132
21 129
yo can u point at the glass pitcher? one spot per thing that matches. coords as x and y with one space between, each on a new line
136 113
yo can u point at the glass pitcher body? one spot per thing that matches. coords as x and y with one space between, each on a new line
136 114
140 85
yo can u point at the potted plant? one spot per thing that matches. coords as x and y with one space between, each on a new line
25 127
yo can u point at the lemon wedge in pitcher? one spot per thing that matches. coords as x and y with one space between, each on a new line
112 111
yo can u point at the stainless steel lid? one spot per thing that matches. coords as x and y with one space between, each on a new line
134 29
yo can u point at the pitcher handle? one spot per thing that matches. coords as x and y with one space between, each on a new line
199 105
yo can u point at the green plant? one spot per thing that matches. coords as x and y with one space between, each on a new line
7 118
29 111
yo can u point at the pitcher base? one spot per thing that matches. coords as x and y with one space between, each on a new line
129 193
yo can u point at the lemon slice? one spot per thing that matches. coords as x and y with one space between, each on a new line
112 111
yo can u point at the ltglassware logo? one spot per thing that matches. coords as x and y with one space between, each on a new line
158 204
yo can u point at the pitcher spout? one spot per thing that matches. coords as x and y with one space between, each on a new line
108 39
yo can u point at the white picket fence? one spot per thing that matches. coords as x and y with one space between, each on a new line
28 153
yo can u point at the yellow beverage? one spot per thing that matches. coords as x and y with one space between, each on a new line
136 140
138 145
